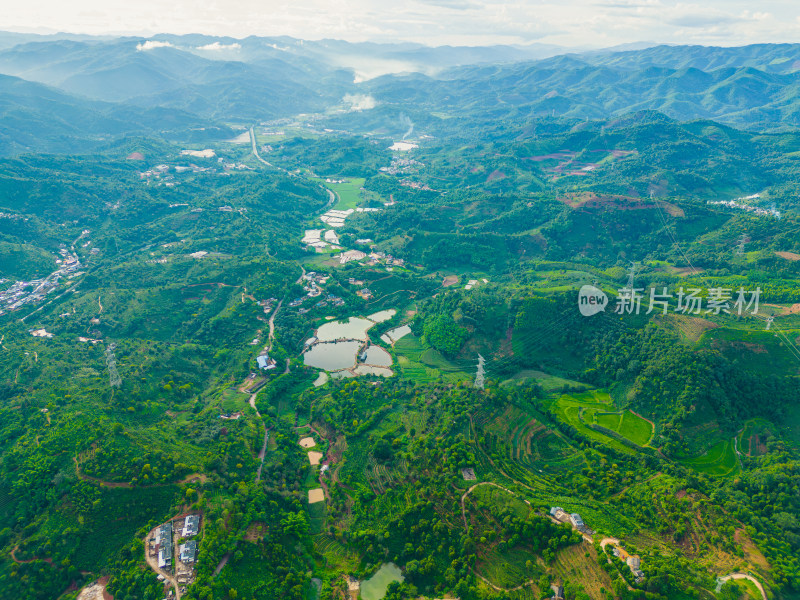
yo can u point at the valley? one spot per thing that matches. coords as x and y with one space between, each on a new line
349 338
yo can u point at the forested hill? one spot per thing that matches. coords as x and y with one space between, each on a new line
569 86
191 80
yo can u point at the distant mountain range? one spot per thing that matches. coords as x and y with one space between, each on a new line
35 117
669 79
174 85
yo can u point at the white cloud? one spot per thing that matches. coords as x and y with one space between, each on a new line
218 46
576 23
151 44
360 101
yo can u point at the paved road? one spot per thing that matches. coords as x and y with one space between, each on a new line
255 150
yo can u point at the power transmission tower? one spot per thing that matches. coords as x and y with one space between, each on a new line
769 323
631 275
480 376
111 362
740 247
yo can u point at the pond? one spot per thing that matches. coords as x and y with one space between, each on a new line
342 374
384 315
367 370
332 356
355 328
378 357
375 587
395 334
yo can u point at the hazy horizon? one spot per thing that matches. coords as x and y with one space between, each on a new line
570 24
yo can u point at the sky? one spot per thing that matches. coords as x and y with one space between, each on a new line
571 23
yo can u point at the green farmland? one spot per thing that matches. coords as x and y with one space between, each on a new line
594 407
348 193
719 461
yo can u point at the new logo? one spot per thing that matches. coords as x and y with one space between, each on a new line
591 300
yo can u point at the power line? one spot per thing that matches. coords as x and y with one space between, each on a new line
789 343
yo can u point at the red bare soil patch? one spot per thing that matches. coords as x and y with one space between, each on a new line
789 255
450 280
553 156
757 348
496 174
794 309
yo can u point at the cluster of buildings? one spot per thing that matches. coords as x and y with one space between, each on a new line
364 294
334 301
741 204
311 284
163 173
12 216
401 166
574 519
33 291
633 561
416 185
170 555
267 304
375 258
384 258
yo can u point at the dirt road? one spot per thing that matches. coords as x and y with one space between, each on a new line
469 491
750 578
153 564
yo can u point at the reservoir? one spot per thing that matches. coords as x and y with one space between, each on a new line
332 356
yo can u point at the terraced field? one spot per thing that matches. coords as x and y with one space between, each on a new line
753 438
425 365
337 556
719 461
627 424
526 447
579 409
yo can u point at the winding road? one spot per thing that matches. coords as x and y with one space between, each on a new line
469 491
272 325
753 580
